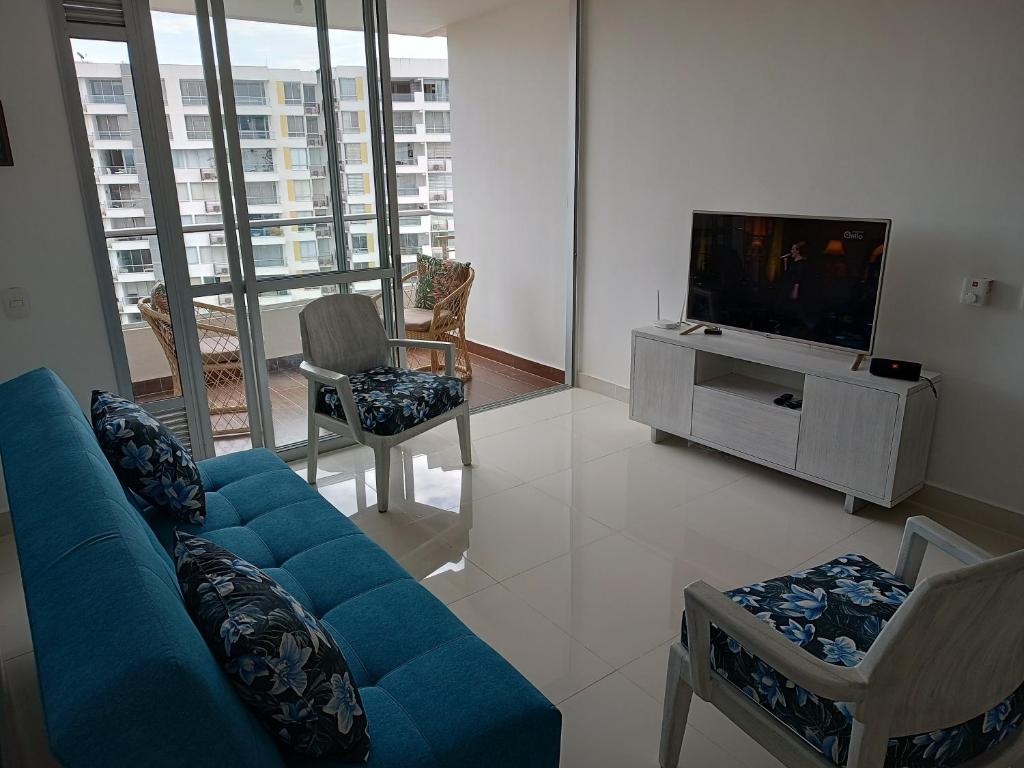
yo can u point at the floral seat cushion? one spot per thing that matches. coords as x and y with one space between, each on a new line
834 612
392 400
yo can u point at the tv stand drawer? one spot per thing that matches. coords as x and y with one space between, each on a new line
762 430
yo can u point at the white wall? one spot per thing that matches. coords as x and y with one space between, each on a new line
911 110
44 246
511 96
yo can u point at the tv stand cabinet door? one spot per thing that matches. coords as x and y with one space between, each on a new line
661 389
846 434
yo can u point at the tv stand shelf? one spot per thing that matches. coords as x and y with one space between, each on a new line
860 434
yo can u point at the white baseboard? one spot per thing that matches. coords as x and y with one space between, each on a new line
602 387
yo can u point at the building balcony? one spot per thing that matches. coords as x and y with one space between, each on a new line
314 140
111 135
311 109
106 98
254 134
318 171
208 174
199 135
212 206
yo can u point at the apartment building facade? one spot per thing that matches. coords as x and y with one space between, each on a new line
282 134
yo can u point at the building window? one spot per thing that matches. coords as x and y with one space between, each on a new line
106 91
303 190
308 250
197 127
408 185
261 192
135 261
312 126
347 90
308 93
440 150
128 222
435 90
410 243
207 190
402 90
212 218
193 158
253 126
350 122
292 93
268 255
360 244
124 195
405 122
182 192
355 184
258 160
250 92
439 122
358 208
300 159
353 153
296 126
439 181
405 154
193 92
116 161
111 127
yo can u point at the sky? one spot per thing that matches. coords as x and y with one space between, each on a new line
282 46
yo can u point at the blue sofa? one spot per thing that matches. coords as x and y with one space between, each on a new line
126 678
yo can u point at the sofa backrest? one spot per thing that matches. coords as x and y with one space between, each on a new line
125 677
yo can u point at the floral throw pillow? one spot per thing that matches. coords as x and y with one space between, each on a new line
436 279
282 662
148 457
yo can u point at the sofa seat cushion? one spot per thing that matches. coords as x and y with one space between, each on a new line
282 661
392 400
147 457
835 612
434 694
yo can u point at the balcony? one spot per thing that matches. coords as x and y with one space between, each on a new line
194 101
208 174
106 98
314 140
250 101
254 134
130 202
318 171
117 170
198 135
439 165
404 128
112 135
217 238
212 206
311 109
320 201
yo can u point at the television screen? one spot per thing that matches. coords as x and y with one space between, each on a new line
815 280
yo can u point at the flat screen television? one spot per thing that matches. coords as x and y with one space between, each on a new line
809 279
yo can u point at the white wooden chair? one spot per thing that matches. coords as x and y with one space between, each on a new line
354 390
951 652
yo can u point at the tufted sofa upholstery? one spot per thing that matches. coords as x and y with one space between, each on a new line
127 680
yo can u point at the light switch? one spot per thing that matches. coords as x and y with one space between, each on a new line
976 291
16 304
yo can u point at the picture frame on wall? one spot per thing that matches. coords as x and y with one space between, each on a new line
6 155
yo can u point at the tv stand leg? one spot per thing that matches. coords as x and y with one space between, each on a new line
658 436
851 504
857 361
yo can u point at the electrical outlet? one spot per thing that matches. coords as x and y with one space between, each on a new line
976 291
16 304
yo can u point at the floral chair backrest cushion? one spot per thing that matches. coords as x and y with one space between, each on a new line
280 659
436 279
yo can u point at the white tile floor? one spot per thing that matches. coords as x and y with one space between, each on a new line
567 546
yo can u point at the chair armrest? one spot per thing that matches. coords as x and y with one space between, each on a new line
444 346
316 375
920 531
706 605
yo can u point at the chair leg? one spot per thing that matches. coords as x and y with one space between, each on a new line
678 695
313 440
382 461
868 746
465 444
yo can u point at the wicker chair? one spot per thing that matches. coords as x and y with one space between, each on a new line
222 362
445 322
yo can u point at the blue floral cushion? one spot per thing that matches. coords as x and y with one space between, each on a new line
148 458
282 662
834 612
392 400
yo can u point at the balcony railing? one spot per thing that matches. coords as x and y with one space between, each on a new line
130 202
116 170
400 128
402 96
318 171
250 100
112 135
311 109
314 140
194 101
254 134
259 168
320 201
212 206
217 238
267 232
198 135
408 191
134 269
439 128
262 200
106 98
437 165
442 97
208 174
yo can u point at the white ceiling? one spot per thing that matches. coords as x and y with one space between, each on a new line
405 17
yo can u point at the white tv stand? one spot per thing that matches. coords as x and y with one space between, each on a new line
863 435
